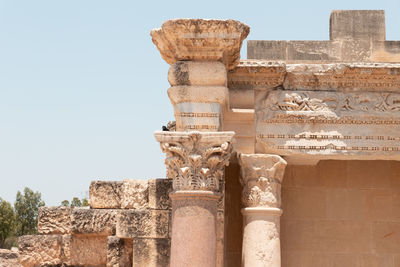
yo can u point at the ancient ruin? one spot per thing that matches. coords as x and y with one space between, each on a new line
287 158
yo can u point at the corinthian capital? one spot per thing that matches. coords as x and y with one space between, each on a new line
196 160
261 177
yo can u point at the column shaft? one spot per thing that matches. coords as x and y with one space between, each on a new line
261 242
261 178
194 216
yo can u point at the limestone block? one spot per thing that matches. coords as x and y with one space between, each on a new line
297 203
81 250
143 223
119 252
151 252
105 194
252 74
135 194
386 51
334 236
159 190
93 221
212 40
386 237
54 220
306 124
41 250
356 50
357 24
197 73
198 107
198 94
271 50
9 258
372 260
313 50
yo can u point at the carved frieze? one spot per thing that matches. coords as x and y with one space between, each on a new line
330 104
261 177
328 124
196 160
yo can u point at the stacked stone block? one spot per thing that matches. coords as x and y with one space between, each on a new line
127 224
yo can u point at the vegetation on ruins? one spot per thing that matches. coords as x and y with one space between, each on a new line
75 202
20 219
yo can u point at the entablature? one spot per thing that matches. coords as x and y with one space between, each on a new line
309 112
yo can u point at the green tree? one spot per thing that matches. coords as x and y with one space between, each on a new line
65 203
76 202
7 222
85 202
26 209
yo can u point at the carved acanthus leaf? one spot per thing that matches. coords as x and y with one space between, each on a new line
261 177
196 161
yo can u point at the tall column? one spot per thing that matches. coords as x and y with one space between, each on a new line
195 161
261 177
200 53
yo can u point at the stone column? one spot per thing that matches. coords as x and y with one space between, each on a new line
200 53
195 161
261 177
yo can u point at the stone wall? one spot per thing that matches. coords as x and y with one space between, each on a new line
341 213
127 224
355 36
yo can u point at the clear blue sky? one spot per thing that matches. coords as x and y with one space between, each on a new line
82 87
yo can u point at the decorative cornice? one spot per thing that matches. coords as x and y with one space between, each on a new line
196 160
261 177
322 76
200 40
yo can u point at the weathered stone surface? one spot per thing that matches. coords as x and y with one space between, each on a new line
135 194
261 177
386 51
119 252
54 220
357 24
9 258
196 160
313 51
355 36
271 50
93 221
197 73
81 250
41 250
105 194
213 40
159 190
344 124
220 238
194 217
151 252
143 223
198 107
